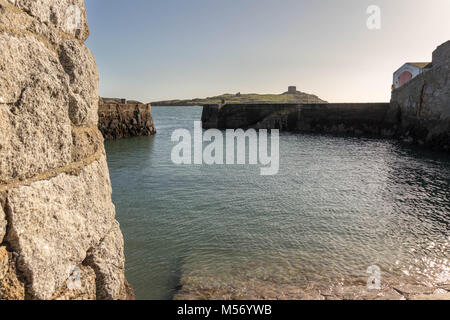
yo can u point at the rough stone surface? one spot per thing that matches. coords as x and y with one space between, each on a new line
84 289
78 62
2 224
53 223
127 292
435 296
107 260
442 54
61 14
14 21
33 86
12 287
117 121
86 142
244 288
55 192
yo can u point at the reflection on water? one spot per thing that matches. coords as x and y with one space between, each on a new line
338 206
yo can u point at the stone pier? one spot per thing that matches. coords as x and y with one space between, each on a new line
118 121
358 119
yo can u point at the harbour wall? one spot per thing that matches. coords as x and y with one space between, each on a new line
118 121
418 113
424 104
357 119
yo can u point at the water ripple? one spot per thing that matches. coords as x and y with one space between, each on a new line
337 206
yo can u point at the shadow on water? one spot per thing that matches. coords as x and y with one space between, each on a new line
176 273
143 145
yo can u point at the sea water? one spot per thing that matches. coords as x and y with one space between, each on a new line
337 206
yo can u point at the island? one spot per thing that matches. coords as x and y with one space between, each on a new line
290 96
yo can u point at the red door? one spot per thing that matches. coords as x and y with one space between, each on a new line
404 78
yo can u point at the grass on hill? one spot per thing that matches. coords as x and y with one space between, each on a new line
298 97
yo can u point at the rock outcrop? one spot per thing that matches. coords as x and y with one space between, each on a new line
424 103
243 288
58 235
118 121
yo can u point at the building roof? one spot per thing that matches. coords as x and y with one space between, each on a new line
421 65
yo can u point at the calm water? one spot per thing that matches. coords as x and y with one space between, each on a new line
338 206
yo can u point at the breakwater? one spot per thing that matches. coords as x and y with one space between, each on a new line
118 121
419 112
373 119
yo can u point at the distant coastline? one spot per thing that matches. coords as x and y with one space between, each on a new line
292 96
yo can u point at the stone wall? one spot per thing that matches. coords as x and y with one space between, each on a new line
117 121
419 112
58 235
370 119
424 104
442 54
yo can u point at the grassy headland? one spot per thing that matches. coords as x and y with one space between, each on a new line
298 97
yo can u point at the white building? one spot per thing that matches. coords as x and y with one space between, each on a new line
409 71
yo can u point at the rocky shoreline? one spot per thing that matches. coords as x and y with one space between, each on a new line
195 288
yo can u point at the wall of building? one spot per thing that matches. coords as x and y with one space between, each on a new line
413 70
424 104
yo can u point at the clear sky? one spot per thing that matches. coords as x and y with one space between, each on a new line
153 50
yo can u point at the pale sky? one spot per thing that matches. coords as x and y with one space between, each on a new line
152 50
